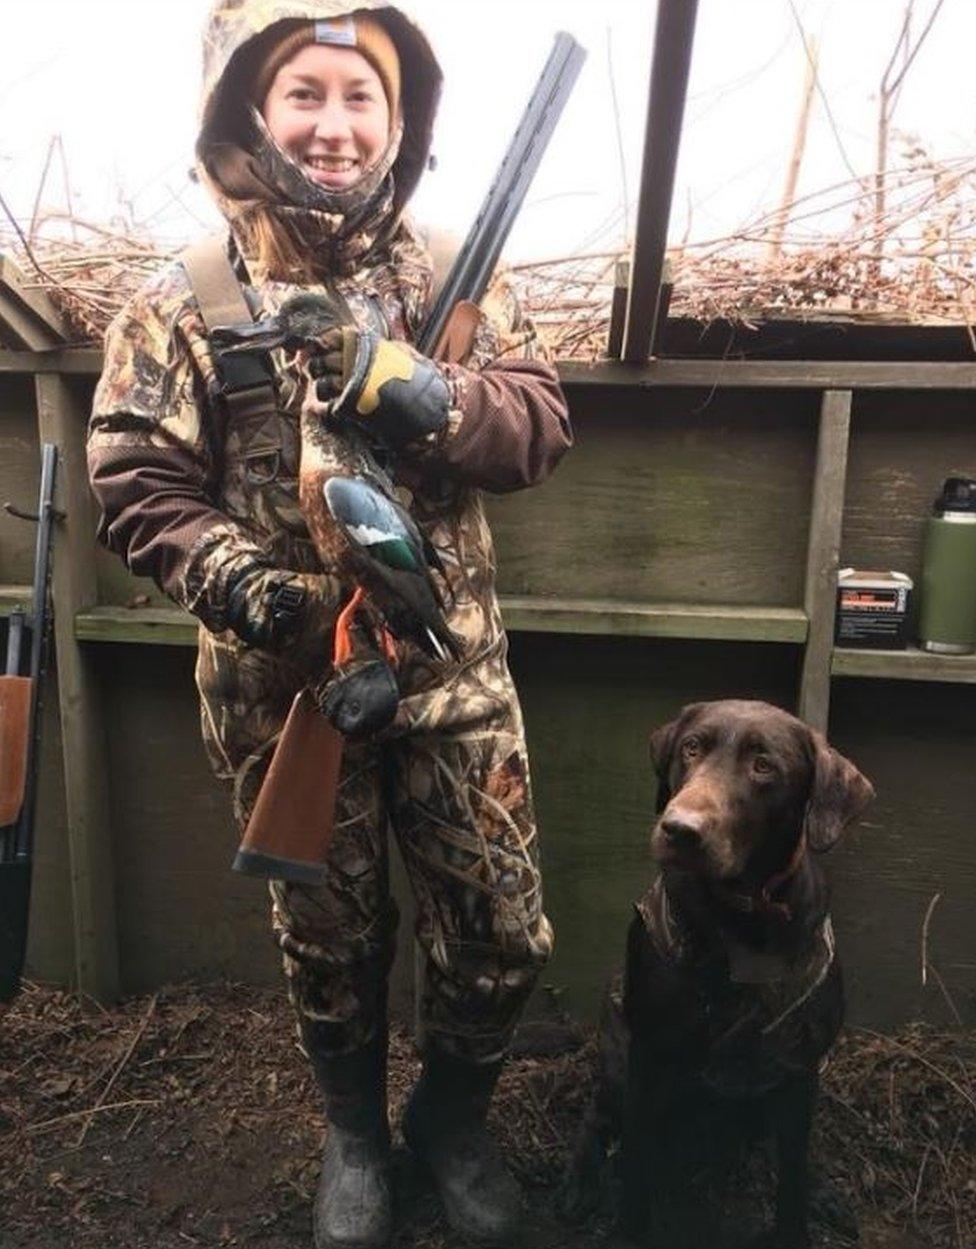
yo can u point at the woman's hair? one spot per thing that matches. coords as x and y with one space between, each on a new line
278 254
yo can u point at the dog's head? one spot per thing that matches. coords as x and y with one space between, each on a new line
739 780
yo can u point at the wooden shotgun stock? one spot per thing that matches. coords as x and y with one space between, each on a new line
15 702
290 828
288 834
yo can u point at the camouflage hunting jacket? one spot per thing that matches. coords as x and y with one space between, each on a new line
190 497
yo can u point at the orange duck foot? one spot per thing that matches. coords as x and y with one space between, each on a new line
342 648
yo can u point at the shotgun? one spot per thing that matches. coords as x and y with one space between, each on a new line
290 827
20 724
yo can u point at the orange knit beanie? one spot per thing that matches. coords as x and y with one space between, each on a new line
359 31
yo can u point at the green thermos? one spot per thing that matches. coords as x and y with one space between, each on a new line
947 623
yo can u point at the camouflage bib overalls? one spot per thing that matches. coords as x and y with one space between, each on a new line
188 492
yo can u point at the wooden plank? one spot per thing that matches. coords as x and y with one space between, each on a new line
823 555
151 626
61 412
13 597
618 309
663 620
663 305
68 360
16 287
782 374
903 448
164 626
19 329
671 61
907 665
671 498
732 374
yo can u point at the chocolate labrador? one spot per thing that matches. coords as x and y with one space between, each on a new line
732 990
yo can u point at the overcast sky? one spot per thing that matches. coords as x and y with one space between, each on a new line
118 80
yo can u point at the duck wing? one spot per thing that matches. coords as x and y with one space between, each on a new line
389 553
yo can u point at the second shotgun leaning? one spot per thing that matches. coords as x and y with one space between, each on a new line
20 721
288 834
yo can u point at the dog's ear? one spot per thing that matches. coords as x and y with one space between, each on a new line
662 743
663 739
838 795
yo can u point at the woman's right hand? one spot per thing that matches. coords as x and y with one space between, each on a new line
276 608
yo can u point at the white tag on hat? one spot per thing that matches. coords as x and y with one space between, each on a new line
340 31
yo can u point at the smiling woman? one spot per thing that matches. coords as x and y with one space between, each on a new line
330 107
227 491
327 109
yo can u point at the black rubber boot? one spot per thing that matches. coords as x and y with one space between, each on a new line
444 1126
354 1202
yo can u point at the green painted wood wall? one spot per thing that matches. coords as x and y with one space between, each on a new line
690 496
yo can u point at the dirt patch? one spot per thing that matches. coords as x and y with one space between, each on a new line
189 1118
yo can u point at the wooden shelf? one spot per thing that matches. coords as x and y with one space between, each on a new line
815 375
66 360
154 626
167 626
721 622
907 665
13 596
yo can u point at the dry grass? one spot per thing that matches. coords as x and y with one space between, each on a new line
836 259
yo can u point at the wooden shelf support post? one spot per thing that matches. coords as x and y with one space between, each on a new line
62 419
823 555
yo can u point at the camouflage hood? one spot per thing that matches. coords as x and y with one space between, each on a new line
240 164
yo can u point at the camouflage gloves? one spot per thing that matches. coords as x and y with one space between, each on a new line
265 607
382 386
274 608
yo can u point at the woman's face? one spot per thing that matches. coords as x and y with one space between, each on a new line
327 109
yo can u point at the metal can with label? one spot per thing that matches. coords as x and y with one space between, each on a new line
872 609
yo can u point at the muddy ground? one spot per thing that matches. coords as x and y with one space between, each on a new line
189 1118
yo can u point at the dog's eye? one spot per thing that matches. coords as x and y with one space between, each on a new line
690 748
763 766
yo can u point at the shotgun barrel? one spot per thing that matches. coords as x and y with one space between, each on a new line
475 263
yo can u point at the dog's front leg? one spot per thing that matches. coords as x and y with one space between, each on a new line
651 1210
637 1147
793 1107
579 1192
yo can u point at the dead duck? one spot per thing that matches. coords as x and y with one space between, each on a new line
393 573
300 322
392 560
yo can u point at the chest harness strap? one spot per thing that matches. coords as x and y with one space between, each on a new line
247 384
246 379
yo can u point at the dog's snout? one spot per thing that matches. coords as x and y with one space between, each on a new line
683 831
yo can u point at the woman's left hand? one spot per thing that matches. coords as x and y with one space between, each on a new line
325 364
383 386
